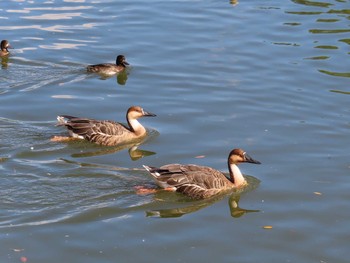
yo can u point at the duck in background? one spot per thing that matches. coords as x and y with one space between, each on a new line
105 132
5 45
199 182
109 68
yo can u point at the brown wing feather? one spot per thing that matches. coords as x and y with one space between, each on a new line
195 181
80 126
99 67
197 192
102 132
107 133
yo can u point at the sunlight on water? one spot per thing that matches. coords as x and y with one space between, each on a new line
56 28
62 46
53 16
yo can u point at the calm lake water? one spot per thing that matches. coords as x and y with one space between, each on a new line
271 77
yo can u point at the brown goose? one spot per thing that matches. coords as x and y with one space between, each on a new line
108 68
201 181
104 132
4 48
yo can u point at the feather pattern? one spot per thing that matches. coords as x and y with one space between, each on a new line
201 181
105 132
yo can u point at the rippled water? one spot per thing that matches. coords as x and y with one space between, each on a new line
270 77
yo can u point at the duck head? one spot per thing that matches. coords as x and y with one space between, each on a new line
121 61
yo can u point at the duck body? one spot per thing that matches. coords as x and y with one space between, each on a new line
199 182
109 68
5 45
105 132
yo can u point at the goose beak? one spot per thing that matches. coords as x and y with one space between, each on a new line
125 63
148 114
249 159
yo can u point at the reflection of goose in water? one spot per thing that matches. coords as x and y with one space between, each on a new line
104 132
200 182
235 210
190 207
134 153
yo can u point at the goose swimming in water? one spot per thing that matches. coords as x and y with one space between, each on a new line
200 182
108 68
4 48
104 132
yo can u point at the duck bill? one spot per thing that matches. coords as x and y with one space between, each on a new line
125 63
148 114
249 159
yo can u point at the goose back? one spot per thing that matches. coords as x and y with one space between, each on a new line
195 181
103 132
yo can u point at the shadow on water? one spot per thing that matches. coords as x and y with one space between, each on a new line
4 62
134 153
88 149
121 77
233 203
182 205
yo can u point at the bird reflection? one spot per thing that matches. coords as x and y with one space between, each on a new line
133 147
4 62
134 152
235 210
121 77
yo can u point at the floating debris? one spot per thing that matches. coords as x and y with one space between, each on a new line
267 227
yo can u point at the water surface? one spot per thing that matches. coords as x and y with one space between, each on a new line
269 77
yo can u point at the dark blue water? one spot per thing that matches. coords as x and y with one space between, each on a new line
269 77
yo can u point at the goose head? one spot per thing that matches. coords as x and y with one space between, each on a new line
238 156
135 112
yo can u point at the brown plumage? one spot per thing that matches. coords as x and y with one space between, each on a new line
201 181
104 132
108 68
4 48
